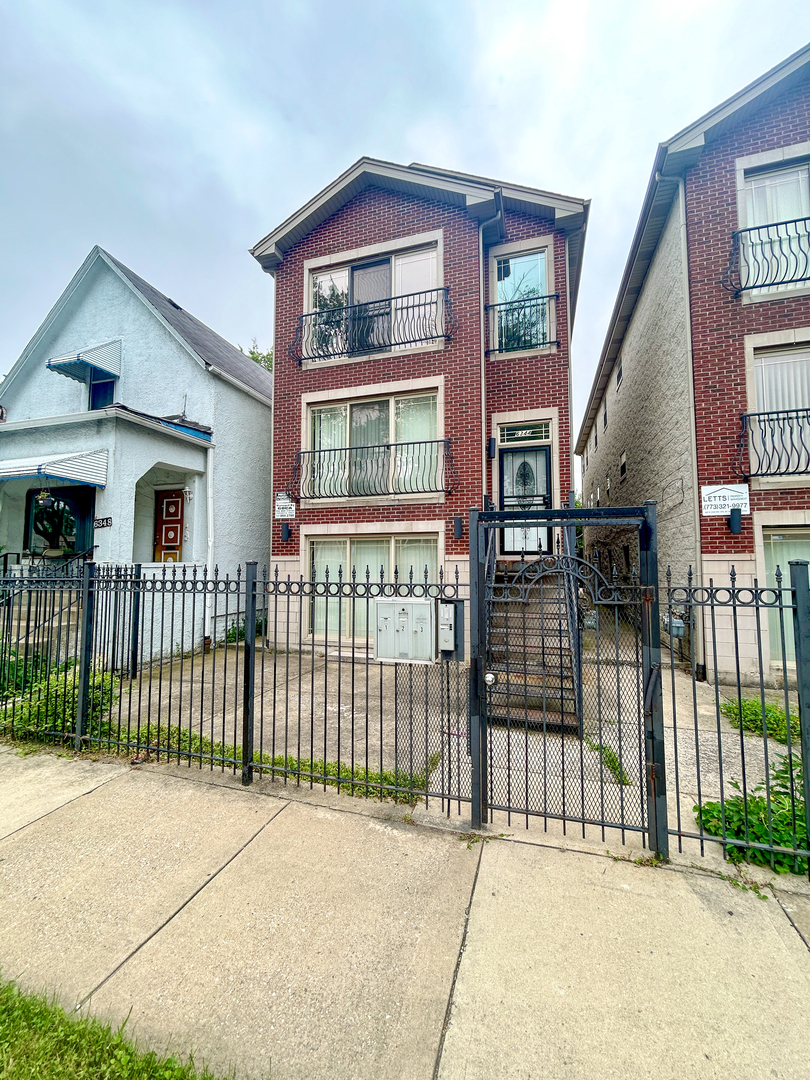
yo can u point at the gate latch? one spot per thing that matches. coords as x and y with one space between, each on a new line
655 673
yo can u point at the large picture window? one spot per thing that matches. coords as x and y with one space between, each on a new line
375 446
521 308
389 303
374 557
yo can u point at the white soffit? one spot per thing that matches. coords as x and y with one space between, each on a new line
89 468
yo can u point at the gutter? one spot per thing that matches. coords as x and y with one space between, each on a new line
498 216
110 413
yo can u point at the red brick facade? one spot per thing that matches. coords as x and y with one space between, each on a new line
378 216
720 320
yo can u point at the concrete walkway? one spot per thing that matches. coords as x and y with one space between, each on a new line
287 934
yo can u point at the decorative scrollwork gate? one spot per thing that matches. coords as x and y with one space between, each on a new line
566 710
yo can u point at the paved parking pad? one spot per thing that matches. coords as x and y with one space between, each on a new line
326 949
623 972
84 886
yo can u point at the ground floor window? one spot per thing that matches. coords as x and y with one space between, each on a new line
361 557
59 521
782 545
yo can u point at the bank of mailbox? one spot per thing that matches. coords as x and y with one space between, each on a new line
405 630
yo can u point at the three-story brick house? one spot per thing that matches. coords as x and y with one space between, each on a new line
702 391
422 328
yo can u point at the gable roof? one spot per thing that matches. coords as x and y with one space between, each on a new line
672 160
477 194
207 347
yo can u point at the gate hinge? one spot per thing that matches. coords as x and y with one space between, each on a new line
653 772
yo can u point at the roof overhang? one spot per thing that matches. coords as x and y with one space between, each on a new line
476 195
672 160
88 468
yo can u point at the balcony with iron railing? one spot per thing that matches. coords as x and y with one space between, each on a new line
399 322
777 443
392 469
771 257
521 325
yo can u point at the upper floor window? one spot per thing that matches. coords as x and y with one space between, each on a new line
521 298
776 433
381 446
102 389
771 249
98 366
380 304
619 373
622 465
604 417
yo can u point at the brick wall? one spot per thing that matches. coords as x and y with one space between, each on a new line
720 321
377 216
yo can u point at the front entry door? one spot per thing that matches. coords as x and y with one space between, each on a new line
168 526
524 486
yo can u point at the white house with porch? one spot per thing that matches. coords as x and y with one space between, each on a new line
130 430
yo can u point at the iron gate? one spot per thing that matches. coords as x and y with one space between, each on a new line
566 708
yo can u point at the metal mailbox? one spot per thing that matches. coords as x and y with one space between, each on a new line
405 630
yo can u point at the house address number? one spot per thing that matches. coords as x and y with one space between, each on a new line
102 523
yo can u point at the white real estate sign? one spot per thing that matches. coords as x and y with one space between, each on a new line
718 500
285 506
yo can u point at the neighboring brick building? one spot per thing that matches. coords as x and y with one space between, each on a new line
705 371
422 329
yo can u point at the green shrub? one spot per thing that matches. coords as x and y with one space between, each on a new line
17 672
51 705
236 631
750 709
786 810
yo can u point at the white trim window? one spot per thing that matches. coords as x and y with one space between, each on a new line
774 247
521 290
374 446
385 303
365 558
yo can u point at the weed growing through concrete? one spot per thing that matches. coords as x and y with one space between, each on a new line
611 760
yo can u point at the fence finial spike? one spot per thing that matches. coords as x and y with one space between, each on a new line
733 575
689 576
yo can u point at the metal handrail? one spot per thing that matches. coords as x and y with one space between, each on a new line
517 325
766 256
419 318
777 443
406 468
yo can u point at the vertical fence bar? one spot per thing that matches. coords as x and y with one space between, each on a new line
653 698
249 680
477 652
136 620
800 586
85 651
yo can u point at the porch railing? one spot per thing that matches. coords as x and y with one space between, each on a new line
517 325
768 256
419 318
777 442
407 468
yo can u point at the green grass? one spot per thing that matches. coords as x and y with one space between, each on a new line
39 1041
611 761
749 713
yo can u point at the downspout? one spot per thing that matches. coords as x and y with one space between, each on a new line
572 486
482 270
700 659
209 558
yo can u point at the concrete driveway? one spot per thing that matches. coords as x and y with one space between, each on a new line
285 933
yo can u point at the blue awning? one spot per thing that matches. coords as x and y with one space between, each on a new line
85 468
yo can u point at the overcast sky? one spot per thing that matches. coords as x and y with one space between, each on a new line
176 135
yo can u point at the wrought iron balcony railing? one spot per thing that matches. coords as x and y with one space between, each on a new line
769 256
407 468
420 318
778 443
517 325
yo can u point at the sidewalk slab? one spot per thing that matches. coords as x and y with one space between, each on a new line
326 949
578 967
84 886
32 785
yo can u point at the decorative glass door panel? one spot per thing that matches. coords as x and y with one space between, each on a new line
524 486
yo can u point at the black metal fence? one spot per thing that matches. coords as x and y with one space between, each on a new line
528 323
292 679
